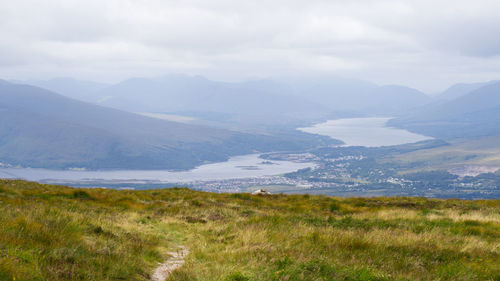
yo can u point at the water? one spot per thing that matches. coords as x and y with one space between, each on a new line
369 132
353 131
246 166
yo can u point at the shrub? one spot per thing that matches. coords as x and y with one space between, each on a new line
80 194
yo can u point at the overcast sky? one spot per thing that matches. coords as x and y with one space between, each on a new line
424 44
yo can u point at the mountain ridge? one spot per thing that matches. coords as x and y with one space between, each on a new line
475 114
36 125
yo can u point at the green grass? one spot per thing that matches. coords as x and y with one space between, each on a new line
478 152
60 233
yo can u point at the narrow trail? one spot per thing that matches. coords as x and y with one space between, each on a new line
175 261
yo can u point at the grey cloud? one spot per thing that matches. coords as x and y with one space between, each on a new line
473 38
425 44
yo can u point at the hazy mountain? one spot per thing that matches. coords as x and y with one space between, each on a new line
268 101
70 87
357 96
461 89
42 129
181 93
472 115
393 99
336 93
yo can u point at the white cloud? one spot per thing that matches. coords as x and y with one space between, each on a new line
425 44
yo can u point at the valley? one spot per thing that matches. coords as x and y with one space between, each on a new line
341 154
249 140
367 131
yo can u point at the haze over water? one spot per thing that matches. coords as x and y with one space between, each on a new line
369 132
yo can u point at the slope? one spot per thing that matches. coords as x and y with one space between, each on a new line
41 128
83 90
461 89
476 114
60 233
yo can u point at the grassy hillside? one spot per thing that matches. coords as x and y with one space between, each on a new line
60 233
459 152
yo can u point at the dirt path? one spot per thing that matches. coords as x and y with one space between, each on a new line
175 261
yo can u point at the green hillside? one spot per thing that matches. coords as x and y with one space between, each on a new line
61 233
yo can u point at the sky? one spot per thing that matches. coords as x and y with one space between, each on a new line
424 44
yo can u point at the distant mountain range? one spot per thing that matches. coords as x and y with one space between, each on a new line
359 97
77 89
39 128
462 89
282 100
475 112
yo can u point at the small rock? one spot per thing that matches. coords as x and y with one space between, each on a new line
261 192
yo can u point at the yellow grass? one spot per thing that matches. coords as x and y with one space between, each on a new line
60 233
